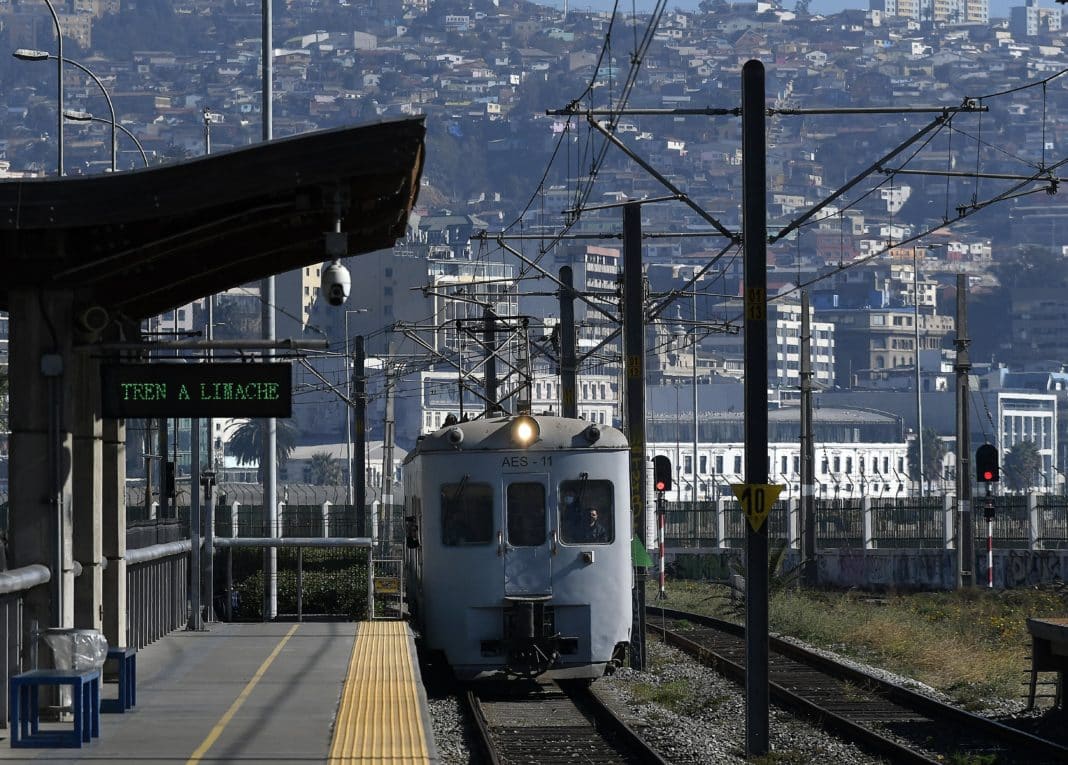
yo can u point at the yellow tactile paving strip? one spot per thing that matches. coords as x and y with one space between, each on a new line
380 717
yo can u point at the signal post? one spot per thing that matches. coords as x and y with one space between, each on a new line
988 471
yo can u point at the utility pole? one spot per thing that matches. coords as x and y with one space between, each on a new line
693 380
808 453
963 365
358 466
524 396
754 242
489 338
195 519
386 506
270 436
208 479
166 471
568 364
634 358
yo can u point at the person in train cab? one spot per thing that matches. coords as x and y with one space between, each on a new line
594 530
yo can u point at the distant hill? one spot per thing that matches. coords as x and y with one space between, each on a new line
998 8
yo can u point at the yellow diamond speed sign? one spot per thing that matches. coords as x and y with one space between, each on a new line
756 500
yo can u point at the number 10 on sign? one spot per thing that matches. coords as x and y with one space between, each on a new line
756 500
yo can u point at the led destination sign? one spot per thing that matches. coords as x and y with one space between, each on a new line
196 390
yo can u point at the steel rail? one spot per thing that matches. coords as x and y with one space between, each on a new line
894 693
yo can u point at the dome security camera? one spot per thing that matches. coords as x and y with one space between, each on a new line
336 283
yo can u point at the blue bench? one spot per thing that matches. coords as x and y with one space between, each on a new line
127 660
24 707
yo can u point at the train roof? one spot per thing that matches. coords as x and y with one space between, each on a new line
496 434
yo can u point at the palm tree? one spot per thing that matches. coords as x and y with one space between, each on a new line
246 442
1023 466
325 470
934 451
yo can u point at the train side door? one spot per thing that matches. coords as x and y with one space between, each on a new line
524 538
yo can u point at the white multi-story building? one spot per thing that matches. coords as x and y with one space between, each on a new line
598 397
857 453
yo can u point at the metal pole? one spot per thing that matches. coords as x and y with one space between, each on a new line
808 451
568 364
388 437
107 97
694 381
59 83
754 224
270 454
208 575
965 536
634 355
359 416
193 617
348 416
919 398
660 534
489 339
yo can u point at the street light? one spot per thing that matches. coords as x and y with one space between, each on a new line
27 54
59 83
87 117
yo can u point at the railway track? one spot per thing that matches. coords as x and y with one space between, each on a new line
906 726
558 723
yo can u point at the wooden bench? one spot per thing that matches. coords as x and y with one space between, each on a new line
1049 653
24 707
127 661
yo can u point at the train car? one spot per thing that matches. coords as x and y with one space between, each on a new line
518 553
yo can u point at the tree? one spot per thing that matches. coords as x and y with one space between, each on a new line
934 451
1022 466
246 442
325 470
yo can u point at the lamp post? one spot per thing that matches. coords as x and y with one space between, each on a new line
59 81
87 117
26 54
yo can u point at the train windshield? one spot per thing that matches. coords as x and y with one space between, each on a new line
587 512
526 514
466 513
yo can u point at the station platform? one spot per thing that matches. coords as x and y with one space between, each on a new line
334 692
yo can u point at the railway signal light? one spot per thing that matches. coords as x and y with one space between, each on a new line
661 473
986 464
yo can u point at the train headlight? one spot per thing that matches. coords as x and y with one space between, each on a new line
525 430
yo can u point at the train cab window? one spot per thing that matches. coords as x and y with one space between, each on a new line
466 513
526 514
587 513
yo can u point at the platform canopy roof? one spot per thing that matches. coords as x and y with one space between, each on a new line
141 242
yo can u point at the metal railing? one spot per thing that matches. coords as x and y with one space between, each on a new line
157 589
325 577
14 584
1027 521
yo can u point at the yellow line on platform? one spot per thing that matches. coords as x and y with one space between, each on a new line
241 698
379 717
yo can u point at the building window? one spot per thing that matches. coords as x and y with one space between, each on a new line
738 465
687 463
719 464
702 464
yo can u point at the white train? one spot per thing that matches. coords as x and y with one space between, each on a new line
518 556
